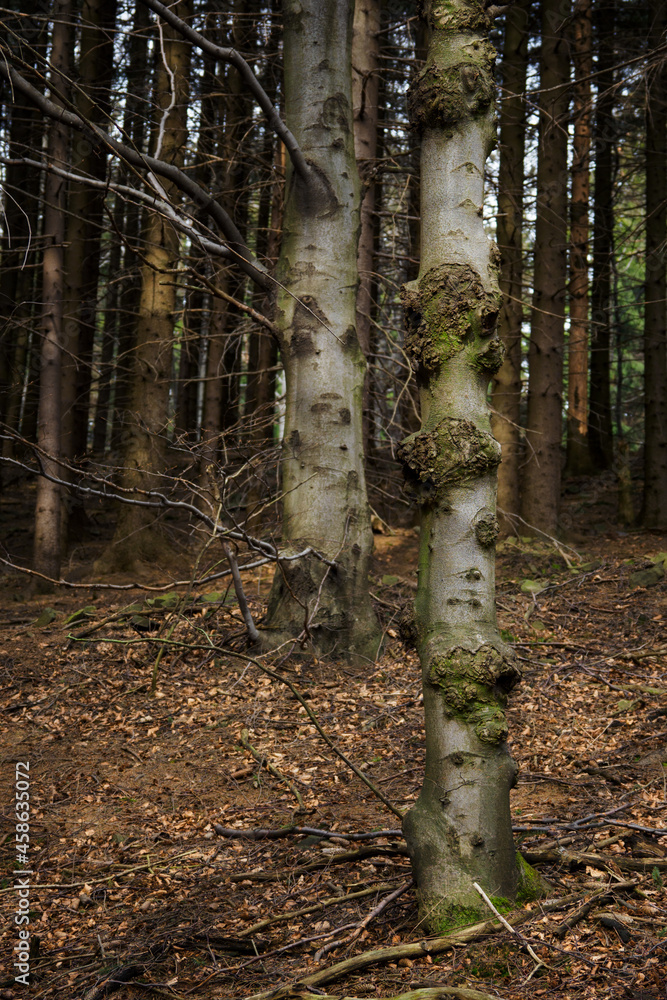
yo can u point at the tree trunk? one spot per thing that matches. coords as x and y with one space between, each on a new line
460 829
365 89
20 224
655 312
542 471
600 440
322 471
136 538
506 395
136 132
47 540
84 229
578 457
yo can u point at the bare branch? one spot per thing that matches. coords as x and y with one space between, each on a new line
230 55
238 249
154 201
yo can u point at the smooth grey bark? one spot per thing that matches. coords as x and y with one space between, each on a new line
506 395
322 469
459 831
542 470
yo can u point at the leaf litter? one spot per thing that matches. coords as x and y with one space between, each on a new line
152 876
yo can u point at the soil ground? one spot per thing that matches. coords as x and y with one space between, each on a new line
138 799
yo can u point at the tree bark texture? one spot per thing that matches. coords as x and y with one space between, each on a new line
578 458
365 91
322 469
145 425
600 440
542 470
506 395
655 309
20 224
84 228
47 540
459 831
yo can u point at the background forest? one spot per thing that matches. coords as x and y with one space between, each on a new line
136 355
267 284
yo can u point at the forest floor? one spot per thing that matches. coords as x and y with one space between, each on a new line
138 802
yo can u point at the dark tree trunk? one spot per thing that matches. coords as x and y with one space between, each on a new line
600 440
655 310
365 90
542 470
47 542
506 396
578 456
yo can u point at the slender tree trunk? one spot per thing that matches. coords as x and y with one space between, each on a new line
21 226
136 133
542 471
460 829
322 469
135 538
578 457
47 540
365 89
213 385
600 440
506 396
655 308
263 348
84 229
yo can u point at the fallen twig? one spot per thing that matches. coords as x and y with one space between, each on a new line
597 860
520 938
321 905
382 905
429 993
290 831
265 762
432 946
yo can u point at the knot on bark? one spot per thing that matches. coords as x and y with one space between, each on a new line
443 96
447 310
466 15
486 528
475 685
455 452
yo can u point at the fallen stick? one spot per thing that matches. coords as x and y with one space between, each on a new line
520 938
265 762
382 905
597 860
432 993
314 908
419 949
298 831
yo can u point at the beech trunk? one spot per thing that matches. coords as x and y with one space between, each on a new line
322 469
459 831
